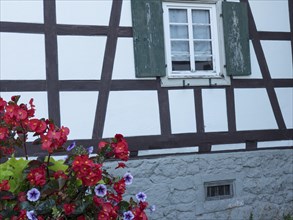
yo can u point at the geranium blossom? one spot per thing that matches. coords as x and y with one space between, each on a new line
33 195
37 176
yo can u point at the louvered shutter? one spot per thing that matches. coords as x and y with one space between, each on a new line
148 38
236 38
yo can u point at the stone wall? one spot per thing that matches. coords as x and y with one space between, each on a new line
263 184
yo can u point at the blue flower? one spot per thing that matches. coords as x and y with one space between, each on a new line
128 215
33 195
101 190
71 146
90 149
141 196
31 215
128 178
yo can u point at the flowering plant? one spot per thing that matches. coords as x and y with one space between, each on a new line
75 188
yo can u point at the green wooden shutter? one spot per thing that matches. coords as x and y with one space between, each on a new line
236 38
148 38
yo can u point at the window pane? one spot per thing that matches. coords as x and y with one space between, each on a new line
178 15
202 48
201 32
179 31
200 16
180 46
203 63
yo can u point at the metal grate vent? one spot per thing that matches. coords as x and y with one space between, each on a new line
219 189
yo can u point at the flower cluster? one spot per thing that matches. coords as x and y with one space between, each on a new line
75 188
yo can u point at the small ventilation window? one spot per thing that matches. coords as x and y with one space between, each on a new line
219 189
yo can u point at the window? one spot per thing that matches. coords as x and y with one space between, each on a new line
191 40
219 189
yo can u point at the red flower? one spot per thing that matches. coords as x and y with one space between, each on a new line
107 212
4 132
21 197
2 104
37 125
139 214
121 150
81 217
69 208
60 174
120 165
21 216
4 185
120 186
86 170
37 176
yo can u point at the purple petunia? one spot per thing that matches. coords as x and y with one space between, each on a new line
90 149
31 215
128 178
141 196
71 146
33 195
128 215
101 190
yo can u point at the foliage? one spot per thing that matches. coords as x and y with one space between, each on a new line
75 188
287 217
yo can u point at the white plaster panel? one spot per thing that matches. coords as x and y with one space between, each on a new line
255 70
180 150
126 19
182 111
283 143
285 98
124 60
278 55
132 113
253 110
78 113
22 11
270 15
22 56
84 12
214 110
80 57
218 147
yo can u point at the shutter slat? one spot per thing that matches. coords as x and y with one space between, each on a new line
236 38
148 38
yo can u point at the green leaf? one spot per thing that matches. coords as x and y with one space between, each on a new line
12 170
26 205
123 206
45 207
57 165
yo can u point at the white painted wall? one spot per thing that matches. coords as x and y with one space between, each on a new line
81 57
22 56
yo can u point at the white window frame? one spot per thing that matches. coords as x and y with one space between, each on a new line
217 76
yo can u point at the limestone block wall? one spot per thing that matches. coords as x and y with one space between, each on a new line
263 184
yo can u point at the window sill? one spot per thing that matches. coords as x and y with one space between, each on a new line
185 82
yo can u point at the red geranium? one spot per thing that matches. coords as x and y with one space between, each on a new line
120 186
69 208
37 176
4 185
